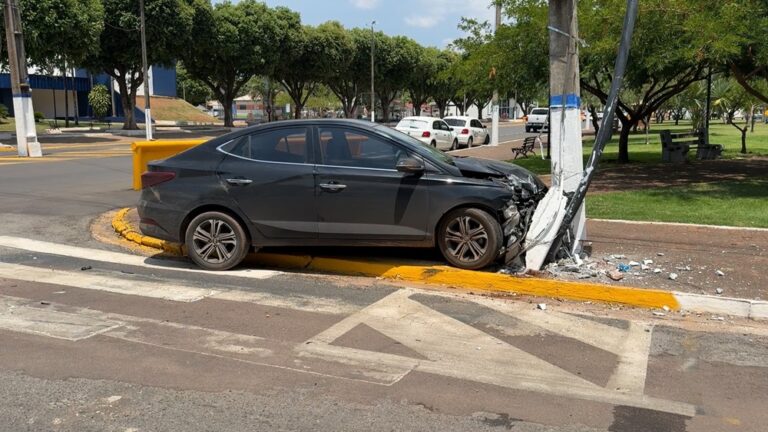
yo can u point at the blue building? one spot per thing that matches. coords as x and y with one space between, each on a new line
48 91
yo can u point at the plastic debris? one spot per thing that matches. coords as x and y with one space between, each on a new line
659 253
618 256
622 267
719 291
542 306
634 263
659 314
657 270
647 261
720 273
644 267
666 308
673 276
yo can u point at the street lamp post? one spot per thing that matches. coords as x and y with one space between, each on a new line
147 112
373 94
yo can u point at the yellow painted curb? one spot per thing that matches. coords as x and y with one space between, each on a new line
441 275
129 233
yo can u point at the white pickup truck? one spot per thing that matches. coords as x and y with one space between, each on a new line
537 119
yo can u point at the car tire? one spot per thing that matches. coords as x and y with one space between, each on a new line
469 142
487 139
469 238
455 144
433 143
527 129
216 233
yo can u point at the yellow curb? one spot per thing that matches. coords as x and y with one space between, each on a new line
125 230
440 275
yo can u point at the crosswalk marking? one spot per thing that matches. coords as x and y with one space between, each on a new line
89 254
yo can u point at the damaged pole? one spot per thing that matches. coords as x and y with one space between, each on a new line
565 107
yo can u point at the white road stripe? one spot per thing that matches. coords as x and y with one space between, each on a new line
123 258
170 291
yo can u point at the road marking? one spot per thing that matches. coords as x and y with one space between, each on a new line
106 283
17 315
461 351
125 259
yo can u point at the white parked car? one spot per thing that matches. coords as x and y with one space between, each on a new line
469 130
429 130
537 120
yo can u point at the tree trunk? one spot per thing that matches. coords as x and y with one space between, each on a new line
677 119
66 98
752 117
595 120
626 128
441 108
384 111
297 111
744 140
74 99
129 122
55 122
228 100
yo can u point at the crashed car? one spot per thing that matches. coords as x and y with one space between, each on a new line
331 182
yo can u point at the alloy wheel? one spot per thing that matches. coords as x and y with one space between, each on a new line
215 241
466 238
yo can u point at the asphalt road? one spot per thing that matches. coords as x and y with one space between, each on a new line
94 337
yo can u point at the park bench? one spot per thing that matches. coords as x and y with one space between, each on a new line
528 147
676 146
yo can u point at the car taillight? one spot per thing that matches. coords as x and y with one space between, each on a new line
153 178
465 131
426 134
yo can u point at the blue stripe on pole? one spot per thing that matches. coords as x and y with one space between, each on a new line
22 95
571 101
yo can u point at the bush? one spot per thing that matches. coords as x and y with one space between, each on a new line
39 116
100 101
3 112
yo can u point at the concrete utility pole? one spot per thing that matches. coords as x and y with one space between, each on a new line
147 111
495 101
565 137
373 94
23 112
565 104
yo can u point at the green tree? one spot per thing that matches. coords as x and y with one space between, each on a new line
352 50
730 98
100 101
168 25
190 89
234 42
425 72
444 86
395 60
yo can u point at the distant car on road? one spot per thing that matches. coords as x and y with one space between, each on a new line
537 120
429 130
335 182
469 131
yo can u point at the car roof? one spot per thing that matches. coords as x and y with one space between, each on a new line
422 118
458 117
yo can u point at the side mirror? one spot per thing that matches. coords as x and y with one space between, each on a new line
410 165
485 126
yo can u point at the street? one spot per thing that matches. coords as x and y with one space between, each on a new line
97 337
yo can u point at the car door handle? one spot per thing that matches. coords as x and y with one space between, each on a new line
239 181
332 187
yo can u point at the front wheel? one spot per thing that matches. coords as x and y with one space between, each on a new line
455 144
469 142
433 143
487 139
469 238
216 241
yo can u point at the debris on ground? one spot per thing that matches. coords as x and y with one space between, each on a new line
542 306
719 291
666 308
615 275
634 264
84 268
622 267
647 262
659 314
720 273
673 276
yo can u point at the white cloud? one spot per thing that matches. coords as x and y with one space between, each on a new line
422 21
364 4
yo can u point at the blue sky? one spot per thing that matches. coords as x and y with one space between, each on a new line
429 22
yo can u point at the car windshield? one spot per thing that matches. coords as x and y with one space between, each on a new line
540 111
412 124
455 122
437 154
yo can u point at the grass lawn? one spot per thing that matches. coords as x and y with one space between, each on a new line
9 125
734 203
642 153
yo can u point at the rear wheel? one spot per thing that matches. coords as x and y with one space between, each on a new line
487 139
469 142
469 238
433 143
527 129
455 144
216 241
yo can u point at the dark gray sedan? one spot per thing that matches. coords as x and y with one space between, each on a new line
335 183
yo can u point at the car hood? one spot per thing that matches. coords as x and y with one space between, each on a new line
486 168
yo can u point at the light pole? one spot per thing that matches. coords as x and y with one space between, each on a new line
147 112
373 94
495 103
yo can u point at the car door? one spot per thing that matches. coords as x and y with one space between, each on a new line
447 133
360 194
478 132
270 176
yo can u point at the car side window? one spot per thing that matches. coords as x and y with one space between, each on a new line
350 148
287 145
444 126
436 125
476 124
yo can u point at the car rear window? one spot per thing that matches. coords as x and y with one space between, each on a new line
412 124
540 111
456 122
276 145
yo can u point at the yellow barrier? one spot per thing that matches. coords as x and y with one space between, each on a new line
147 151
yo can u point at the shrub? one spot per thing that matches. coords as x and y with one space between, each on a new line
100 101
3 112
39 116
